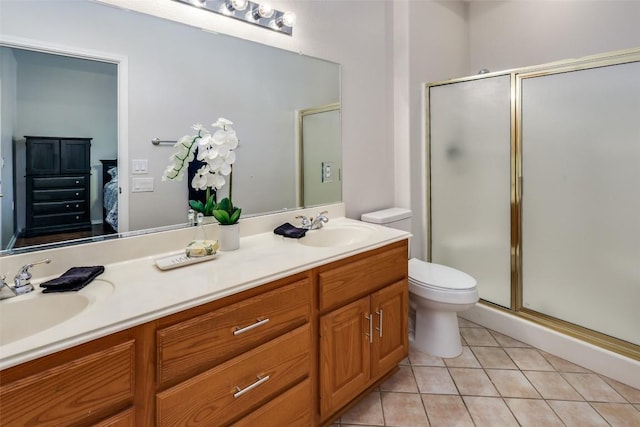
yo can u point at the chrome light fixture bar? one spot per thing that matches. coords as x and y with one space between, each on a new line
261 14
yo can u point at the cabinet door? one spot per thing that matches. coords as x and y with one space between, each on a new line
345 353
75 156
43 156
389 307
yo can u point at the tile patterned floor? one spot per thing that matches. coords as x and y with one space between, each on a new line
496 381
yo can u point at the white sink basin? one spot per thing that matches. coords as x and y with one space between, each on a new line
29 314
337 235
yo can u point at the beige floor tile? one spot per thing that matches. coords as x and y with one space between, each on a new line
507 341
446 411
593 388
551 385
528 359
577 414
478 337
493 358
637 407
631 394
418 358
464 323
489 412
512 383
401 381
473 382
404 410
562 365
368 411
618 414
434 380
465 360
533 413
405 361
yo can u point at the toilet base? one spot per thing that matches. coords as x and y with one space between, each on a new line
437 333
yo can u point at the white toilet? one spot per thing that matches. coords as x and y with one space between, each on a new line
436 292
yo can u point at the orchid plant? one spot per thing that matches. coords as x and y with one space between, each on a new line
216 151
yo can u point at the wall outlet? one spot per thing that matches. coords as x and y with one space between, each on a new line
139 166
140 185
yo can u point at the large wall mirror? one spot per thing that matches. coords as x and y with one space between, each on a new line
72 69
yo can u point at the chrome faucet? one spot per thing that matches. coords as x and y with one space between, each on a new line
309 223
21 282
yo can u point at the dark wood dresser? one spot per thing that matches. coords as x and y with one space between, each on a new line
58 178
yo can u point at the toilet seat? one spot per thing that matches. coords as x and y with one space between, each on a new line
440 283
439 277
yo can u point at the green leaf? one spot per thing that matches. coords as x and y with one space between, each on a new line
235 216
208 208
196 205
222 216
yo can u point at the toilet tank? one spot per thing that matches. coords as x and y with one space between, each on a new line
398 218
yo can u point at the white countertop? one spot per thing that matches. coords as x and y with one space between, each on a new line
138 292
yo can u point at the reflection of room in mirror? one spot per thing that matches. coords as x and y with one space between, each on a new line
162 101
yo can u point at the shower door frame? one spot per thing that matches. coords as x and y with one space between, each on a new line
517 76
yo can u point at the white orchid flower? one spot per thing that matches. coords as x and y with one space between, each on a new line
222 123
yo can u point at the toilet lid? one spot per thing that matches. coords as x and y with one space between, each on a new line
439 276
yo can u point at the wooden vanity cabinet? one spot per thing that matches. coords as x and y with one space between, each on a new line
363 327
93 384
295 352
237 355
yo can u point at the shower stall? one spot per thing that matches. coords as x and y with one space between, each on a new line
534 189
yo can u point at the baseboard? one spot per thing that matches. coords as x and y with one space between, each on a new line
594 358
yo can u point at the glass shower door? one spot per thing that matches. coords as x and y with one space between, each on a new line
469 179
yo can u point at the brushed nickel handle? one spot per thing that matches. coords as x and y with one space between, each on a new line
259 322
241 391
370 334
379 328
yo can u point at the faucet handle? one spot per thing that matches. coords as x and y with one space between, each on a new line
23 278
306 222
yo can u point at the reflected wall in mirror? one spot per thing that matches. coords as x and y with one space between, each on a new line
176 77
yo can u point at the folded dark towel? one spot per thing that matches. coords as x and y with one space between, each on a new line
73 279
288 230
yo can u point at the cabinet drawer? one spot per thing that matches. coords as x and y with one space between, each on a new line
59 182
57 195
350 281
196 344
292 409
71 393
239 385
46 208
59 219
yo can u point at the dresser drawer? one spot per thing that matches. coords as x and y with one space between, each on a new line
239 385
47 208
292 409
71 393
59 182
58 195
191 346
58 219
340 285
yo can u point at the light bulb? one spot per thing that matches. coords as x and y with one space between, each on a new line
264 10
236 4
289 19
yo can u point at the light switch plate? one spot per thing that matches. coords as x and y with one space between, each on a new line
327 171
139 166
140 185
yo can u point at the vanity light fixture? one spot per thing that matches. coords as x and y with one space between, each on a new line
261 14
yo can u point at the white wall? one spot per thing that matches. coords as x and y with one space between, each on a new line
513 34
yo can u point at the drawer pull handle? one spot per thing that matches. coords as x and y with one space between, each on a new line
370 334
242 391
379 328
259 322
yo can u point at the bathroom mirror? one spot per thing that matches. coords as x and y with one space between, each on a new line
176 76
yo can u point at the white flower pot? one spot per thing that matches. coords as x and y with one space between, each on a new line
229 237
